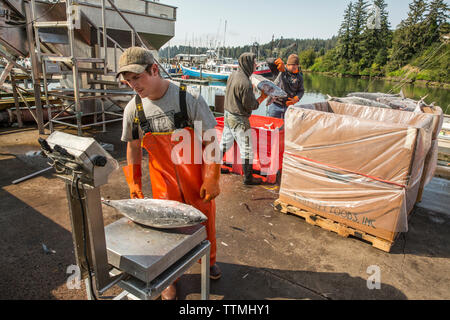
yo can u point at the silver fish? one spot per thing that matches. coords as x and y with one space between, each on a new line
402 104
267 86
394 101
360 101
372 95
164 214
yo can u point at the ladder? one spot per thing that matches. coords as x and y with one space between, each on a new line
75 94
78 94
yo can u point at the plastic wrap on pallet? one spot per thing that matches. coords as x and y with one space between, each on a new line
420 120
424 122
360 172
360 202
432 157
438 119
431 161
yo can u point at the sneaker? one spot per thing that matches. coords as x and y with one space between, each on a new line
214 272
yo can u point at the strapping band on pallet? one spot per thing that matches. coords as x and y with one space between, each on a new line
350 171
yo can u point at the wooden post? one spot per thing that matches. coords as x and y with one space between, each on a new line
35 70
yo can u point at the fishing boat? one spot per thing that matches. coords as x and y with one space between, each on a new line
172 69
263 70
215 68
221 73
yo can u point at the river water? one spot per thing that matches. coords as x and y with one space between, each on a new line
317 87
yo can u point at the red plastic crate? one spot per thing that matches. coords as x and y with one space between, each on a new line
268 148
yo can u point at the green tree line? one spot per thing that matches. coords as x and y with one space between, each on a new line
366 45
417 49
276 48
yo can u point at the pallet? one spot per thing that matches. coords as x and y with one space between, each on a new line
330 225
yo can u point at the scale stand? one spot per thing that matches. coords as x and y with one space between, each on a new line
142 261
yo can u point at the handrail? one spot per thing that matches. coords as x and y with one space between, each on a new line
137 34
2 55
113 41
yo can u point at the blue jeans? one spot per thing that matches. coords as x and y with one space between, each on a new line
275 111
237 128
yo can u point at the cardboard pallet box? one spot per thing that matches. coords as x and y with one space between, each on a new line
405 117
432 156
356 165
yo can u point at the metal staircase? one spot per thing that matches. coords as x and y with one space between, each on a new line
86 70
97 67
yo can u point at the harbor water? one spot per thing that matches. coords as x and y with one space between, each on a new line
318 87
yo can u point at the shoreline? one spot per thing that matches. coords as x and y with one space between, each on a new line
420 83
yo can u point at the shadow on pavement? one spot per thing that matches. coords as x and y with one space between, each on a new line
240 282
27 271
428 235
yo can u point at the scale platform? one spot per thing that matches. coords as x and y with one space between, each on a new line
145 252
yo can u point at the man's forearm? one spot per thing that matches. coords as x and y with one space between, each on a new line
210 188
134 152
133 171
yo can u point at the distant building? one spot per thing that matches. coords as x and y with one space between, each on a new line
191 58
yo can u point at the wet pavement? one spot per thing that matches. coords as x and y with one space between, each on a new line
263 254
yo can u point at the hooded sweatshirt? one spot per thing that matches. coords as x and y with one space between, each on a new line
239 97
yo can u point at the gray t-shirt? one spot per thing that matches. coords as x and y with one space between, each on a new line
160 113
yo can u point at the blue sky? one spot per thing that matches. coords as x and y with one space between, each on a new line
249 20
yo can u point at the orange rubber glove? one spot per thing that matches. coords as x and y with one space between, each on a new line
210 188
280 65
133 175
292 101
262 97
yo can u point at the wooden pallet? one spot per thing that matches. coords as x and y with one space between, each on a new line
330 225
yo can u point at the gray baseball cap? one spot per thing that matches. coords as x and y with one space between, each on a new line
135 59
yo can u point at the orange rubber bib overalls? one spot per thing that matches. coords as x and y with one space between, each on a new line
176 175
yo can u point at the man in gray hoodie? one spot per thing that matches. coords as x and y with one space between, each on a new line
240 101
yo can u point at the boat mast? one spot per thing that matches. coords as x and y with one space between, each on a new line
271 45
218 41
224 34
168 54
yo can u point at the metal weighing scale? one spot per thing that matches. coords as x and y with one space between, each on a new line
142 261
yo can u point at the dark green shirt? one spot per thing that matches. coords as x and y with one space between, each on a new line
239 96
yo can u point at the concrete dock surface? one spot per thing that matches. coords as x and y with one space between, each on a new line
263 254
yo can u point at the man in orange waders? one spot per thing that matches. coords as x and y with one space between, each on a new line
160 118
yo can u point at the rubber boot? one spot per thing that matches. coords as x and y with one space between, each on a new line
249 180
222 169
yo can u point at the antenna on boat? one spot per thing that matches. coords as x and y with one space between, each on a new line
217 47
224 34
271 45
